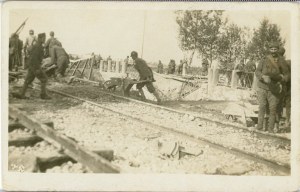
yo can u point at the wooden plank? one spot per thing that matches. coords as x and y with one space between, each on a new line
16 125
72 65
91 67
76 68
94 162
27 140
85 64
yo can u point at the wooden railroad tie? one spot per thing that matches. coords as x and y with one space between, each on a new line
97 162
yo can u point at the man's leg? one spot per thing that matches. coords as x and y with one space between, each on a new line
28 79
273 102
152 90
288 111
262 100
40 74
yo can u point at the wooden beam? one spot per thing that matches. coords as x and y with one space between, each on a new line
28 140
94 162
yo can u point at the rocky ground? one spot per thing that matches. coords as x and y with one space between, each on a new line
138 148
270 148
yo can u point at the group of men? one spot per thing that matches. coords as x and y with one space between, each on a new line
40 55
245 72
171 67
274 89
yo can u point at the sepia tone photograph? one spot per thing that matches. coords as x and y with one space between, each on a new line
118 89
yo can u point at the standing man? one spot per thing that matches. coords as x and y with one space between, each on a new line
145 73
15 52
204 64
285 96
250 69
240 68
59 57
160 67
180 66
269 73
30 41
171 67
34 68
50 43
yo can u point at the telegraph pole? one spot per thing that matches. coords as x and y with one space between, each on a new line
145 14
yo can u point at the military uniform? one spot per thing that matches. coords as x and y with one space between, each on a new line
250 69
160 68
30 41
14 51
61 58
145 73
35 70
179 70
269 93
171 67
49 44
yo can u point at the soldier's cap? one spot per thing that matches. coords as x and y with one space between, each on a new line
41 35
281 51
274 45
134 53
51 33
31 31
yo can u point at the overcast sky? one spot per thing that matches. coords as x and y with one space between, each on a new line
118 32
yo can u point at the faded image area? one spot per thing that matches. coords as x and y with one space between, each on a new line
150 91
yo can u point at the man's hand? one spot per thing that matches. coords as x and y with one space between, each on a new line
266 79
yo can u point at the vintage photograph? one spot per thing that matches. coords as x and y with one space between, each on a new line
149 91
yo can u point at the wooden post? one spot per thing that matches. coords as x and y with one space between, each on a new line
184 69
109 66
209 80
101 66
117 66
254 83
234 79
215 78
124 67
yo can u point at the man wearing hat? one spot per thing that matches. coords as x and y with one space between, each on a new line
29 42
52 41
285 96
145 73
269 73
34 68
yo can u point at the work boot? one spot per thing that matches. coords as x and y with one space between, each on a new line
43 91
22 93
157 97
142 94
19 96
45 97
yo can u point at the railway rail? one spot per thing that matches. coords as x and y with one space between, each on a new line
65 148
219 135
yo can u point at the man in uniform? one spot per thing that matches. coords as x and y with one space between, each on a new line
145 73
34 68
171 67
285 96
180 66
204 69
240 70
50 43
160 67
14 51
250 69
61 58
29 42
269 73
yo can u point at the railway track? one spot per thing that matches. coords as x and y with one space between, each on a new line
45 148
269 150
